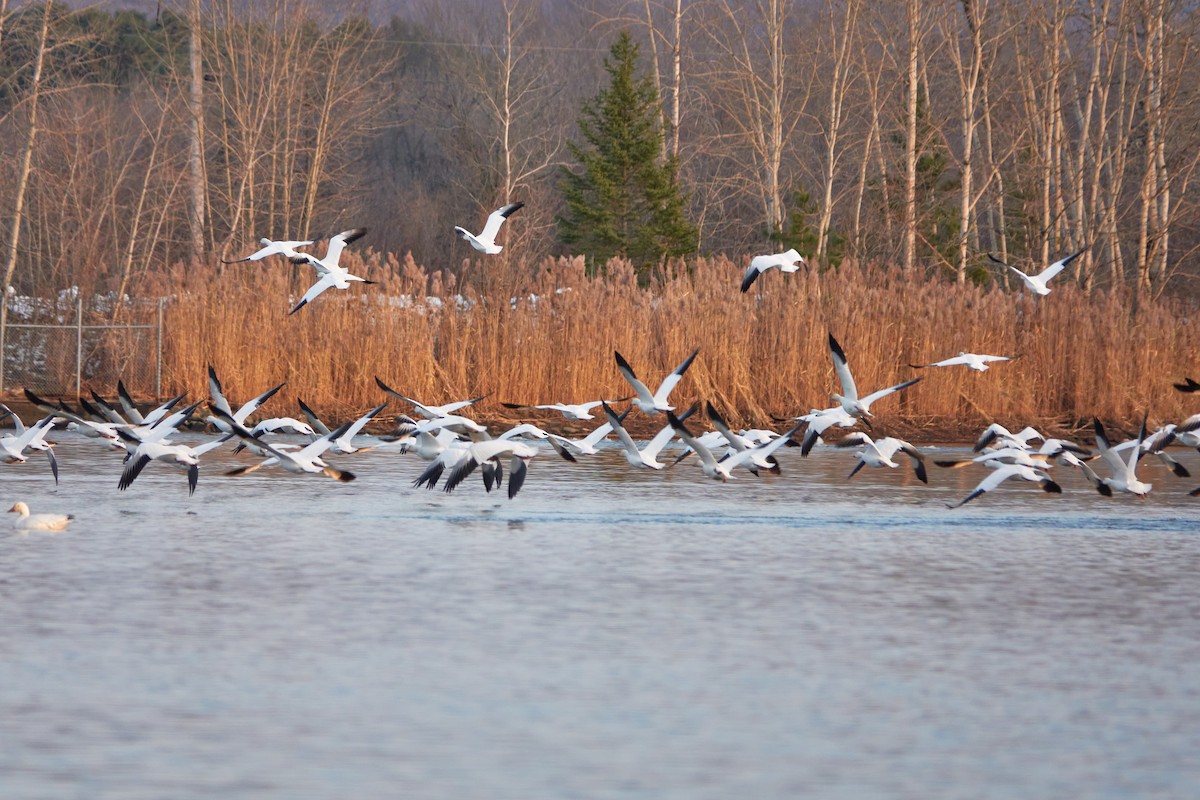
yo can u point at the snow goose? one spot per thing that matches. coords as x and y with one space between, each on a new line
738 444
485 242
276 248
587 445
785 262
1003 473
488 457
427 411
426 445
974 361
447 453
1037 283
105 431
1186 433
152 445
647 456
849 399
574 411
722 470
38 522
333 275
881 452
1124 476
344 444
304 461
276 425
151 417
821 420
180 455
998 458
129 415
657 402
331 280
331 261
1155 444
239 416
1188 386
998 433
14 445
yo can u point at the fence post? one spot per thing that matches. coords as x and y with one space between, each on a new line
78 346
162 302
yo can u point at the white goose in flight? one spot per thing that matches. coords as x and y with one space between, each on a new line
239 416
1037 283
785 262
305 461
488 456
585 446
332 280
427 411
647 456
344 444
183 456
129 413
1003 473
821 420
975 361
1124 471
150 444
881 453
105 431
738 444
333 275
574 411
854 405
657 402
721 470
277 248
485 242
14 445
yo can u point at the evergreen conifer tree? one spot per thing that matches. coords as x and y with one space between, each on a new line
624 200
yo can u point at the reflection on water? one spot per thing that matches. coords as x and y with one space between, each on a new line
609 633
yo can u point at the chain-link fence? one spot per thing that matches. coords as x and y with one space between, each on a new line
47 351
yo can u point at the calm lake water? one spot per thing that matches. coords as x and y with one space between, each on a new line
610 633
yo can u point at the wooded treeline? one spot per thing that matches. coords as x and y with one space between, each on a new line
919 133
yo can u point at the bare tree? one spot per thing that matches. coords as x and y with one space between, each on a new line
913 18
762 102
968 69
196 213
14 236
843 40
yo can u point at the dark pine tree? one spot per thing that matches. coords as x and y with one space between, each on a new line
623 199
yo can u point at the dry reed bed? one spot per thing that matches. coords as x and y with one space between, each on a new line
764 353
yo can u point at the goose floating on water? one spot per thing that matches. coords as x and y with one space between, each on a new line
38 522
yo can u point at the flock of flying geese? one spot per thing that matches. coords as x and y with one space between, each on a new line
455 446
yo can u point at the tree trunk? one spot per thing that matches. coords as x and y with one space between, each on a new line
196 155
913 8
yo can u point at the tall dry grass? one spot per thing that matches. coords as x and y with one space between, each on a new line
762 354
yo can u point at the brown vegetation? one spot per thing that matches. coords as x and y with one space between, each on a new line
762 354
